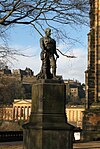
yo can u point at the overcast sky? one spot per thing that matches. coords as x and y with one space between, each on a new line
26 39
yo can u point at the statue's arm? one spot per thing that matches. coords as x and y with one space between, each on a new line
42 44
55 51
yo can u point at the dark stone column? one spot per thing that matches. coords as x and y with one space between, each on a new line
48 127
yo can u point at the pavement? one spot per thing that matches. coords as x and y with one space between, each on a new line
87 145
11 145
19 145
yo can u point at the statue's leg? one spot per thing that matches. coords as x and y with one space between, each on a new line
45 69
53 66
48 69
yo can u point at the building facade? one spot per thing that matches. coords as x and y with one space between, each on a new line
6 112
74 114
91 117
75 91
93 70
72 88
19 110
26 76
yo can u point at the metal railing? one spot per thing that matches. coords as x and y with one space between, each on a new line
7 136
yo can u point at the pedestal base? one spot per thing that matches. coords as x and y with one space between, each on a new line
48 127
47 139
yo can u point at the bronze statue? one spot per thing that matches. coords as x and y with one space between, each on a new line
48 46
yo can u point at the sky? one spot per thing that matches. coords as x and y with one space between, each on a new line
27 40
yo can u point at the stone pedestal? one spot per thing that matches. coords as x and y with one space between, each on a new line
91 124
48 127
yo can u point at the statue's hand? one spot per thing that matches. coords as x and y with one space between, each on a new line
57 56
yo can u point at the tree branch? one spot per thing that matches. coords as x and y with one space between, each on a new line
66 55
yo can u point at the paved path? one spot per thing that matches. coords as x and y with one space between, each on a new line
19 145
87 145
11 145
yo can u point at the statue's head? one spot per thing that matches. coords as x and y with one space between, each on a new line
48 32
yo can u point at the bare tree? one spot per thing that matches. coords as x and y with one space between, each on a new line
43 13
10 89
6 52
38 12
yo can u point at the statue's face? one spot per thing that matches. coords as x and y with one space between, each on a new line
48 32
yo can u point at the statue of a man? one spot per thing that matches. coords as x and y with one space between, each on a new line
48 46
